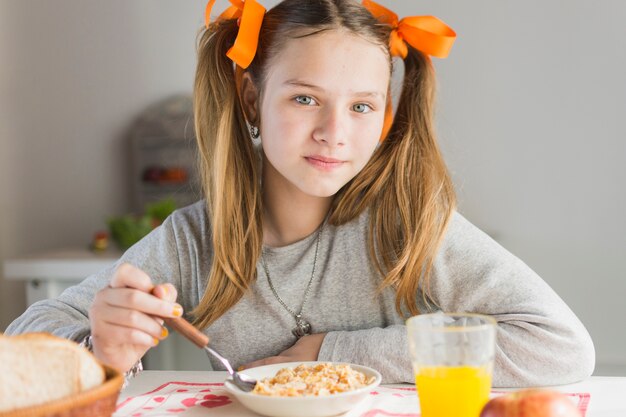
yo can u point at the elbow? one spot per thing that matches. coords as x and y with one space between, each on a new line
585 362
577 362
565 360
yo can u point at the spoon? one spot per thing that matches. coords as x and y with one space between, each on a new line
182 326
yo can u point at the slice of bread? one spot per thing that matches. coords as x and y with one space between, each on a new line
37 367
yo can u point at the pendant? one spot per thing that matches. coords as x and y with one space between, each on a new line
302 328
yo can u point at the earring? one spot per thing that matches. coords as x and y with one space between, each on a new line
254 132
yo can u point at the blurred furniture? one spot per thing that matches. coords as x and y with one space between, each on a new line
164 154
47 274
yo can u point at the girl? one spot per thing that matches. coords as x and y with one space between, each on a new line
323 227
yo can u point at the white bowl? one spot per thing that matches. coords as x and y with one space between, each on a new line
310 406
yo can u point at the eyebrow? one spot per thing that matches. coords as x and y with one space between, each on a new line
299 83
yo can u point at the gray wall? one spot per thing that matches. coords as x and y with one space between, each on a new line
531 120
73 77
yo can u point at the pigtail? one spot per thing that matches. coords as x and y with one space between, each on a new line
408 190
229 168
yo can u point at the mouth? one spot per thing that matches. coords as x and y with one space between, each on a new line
323 162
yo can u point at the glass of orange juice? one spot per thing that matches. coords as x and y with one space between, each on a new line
452 357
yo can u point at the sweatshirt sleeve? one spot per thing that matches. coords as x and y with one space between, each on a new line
67 315
540 341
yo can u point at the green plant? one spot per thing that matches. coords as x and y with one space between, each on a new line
129 229
161 209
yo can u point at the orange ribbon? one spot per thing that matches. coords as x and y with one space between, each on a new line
250 15
424 33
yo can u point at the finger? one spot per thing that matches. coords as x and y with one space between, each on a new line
165 292
127 275
107 333
134 319
137 300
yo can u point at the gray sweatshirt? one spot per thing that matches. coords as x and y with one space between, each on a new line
539 339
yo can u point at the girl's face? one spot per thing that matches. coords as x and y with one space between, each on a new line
322 111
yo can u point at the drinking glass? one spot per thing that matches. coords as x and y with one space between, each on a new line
452 357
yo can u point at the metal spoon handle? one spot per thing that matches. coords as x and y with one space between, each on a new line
222 359
185 328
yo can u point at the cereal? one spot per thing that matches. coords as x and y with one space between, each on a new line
316 380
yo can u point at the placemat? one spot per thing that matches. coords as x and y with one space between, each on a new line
189 399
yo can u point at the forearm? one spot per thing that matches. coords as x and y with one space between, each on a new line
528 352
52 316
385 350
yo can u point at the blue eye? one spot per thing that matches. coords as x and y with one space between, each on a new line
305 100
362 108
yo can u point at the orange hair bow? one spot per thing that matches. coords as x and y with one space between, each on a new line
250 15
424 33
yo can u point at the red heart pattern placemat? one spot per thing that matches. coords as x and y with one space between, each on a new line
191 399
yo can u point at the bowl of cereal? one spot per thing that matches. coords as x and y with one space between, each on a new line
306 389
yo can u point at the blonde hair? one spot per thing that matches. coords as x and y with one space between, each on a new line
405 184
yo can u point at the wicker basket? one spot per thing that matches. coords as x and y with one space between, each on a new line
96 402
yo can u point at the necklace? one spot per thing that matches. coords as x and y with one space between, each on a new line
303 327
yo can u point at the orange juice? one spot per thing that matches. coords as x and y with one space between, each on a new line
453 391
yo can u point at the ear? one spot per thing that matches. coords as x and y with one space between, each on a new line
250 99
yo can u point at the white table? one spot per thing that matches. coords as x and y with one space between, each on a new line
47 274
608 394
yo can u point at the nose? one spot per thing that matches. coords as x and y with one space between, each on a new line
332 127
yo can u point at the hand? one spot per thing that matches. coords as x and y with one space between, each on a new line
124 317
305 349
